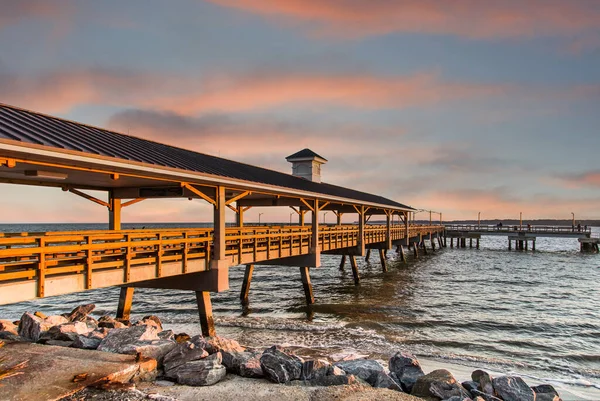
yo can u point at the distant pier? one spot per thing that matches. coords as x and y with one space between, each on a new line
522 235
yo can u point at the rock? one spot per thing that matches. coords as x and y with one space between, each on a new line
251 368
365 369
335 371
147 370
485 381
470 385
9 335
181 338
110 323
545 392
315 369
31 326
80 313
7 325
280 367
152 321
219 344
512 388
484 396
439 383
167 335
126 322
90 340
407 369
203 372
157 349
336 380
65 332
118 339
183 353
384 380
59 343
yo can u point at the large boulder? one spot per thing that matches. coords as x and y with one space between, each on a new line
183 353
80 313
203 372
7 325
407 369
65 332
384 380
118 340
280 367
315 369
513 388
484 380
365 369
545 392
90 340
245 364
439 384
32 327
157 349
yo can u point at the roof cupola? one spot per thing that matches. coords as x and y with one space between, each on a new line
306 164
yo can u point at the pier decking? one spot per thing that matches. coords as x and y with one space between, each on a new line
41 150
522 235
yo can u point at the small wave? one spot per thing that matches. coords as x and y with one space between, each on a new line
281 324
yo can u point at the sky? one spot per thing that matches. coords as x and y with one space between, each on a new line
462 107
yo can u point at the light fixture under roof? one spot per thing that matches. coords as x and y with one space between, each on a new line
53 175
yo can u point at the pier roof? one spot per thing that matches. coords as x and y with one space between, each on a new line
53 137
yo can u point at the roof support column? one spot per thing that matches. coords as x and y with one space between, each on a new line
315 248
219 264
301 217
339 218
114 212
239 216
388 231
361 230
406 231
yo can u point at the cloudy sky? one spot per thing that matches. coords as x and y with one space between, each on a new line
462 107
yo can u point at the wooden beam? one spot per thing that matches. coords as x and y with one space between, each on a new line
308 292
10 163
199 193
295 210
235 210
86 196
246 284
246 208
325 204
207 323
235 198
312 209
132 202
125 300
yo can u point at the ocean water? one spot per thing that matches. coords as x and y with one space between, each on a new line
536 314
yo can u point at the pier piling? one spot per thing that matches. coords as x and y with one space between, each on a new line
354 270
207 323
246 284
383 261
308 291
343 262
125 301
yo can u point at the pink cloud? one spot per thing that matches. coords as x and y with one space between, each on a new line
467 18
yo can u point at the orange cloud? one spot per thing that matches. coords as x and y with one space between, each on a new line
587 179
467 18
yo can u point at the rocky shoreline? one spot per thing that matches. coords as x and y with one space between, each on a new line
197 361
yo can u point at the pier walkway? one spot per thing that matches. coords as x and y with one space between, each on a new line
522 235
46 151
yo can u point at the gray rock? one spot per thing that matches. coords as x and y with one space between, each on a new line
485 381
470 385
251 368
245 364
80 313
385 381
439 383
513 388
8 335
119 339
407 369
220 344
167 335
90 340
203 372
183 353
365 369
65 332
280 367
157 349
545 392
7 325
484 396
336 380
315 369
110 323
32 327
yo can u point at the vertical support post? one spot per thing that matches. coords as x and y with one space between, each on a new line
354 270
339 218
308 292
533 245
125 300
343 262
368 255
424 247
470 242
41 270
315 247
416 250
301 218
432 241
477 243
361 231
239 216
509 244
406 230
114 212
246 284
207 323
526 245
388 231
383 261
402 254
451 242
219 226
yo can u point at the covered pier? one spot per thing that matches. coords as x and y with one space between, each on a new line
41 150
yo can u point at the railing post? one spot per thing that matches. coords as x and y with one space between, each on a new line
41 268
114 212
88 263
388 231
361 231
315 247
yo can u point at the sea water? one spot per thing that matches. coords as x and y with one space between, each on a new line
535 314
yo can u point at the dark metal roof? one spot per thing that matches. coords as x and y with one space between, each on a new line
304 153
35 128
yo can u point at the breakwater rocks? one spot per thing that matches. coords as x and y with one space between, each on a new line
199 361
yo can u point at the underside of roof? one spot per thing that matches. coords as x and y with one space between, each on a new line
29 127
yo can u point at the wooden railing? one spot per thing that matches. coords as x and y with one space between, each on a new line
43 256
518 228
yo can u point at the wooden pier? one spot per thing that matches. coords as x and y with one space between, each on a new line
523 236
41 150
